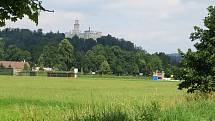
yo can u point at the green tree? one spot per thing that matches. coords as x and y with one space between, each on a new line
154 63
118 70
141 61
116 60
80 60
49 57
24 55
66 55
14 53
198 68
1 49
16 9
164 58
105 67
168 71
135 69
93 61
99 50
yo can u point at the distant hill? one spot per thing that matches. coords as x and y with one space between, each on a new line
35 41
123 57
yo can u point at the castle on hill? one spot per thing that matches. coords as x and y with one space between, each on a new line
89 34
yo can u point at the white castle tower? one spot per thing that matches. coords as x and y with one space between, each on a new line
89 34
76 30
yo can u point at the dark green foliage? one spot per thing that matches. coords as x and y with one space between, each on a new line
85 45
2 43
66 55
198 68
32 41
49 57
165 58
170 63
169 71
93 61
154 63
14 53
87 55
16 9
111 41
121 61
58 57
105 67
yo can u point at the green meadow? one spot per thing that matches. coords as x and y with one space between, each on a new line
93 98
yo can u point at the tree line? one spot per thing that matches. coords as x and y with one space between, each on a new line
106 55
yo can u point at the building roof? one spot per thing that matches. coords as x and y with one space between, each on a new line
14 64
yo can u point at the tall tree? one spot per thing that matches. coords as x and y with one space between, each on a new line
14 53
164 58
141 61
154 63
66 55
1 48
49 57
16 9
93 61
198 71
105 67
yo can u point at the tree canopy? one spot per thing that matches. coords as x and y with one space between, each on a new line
13 10
1 48
104 67
66 55
48 50
198 68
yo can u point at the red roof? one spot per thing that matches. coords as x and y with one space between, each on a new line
14 64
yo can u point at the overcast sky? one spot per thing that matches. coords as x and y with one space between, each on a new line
155 25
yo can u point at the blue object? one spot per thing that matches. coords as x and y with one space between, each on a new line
155 78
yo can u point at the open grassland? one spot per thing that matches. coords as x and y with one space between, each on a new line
96 98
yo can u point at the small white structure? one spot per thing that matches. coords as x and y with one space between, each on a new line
167 79
89 34
76 72
47 69
36 69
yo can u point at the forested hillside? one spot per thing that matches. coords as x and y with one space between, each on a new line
107 55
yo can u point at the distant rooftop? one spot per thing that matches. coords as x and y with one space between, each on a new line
14 64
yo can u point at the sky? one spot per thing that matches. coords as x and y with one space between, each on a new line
155 25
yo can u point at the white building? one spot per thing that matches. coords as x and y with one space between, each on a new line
86 35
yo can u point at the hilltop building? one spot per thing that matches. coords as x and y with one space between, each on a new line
89 34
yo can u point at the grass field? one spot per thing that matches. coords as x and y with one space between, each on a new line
94 98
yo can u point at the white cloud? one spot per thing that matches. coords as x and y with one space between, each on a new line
153 8
59 20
